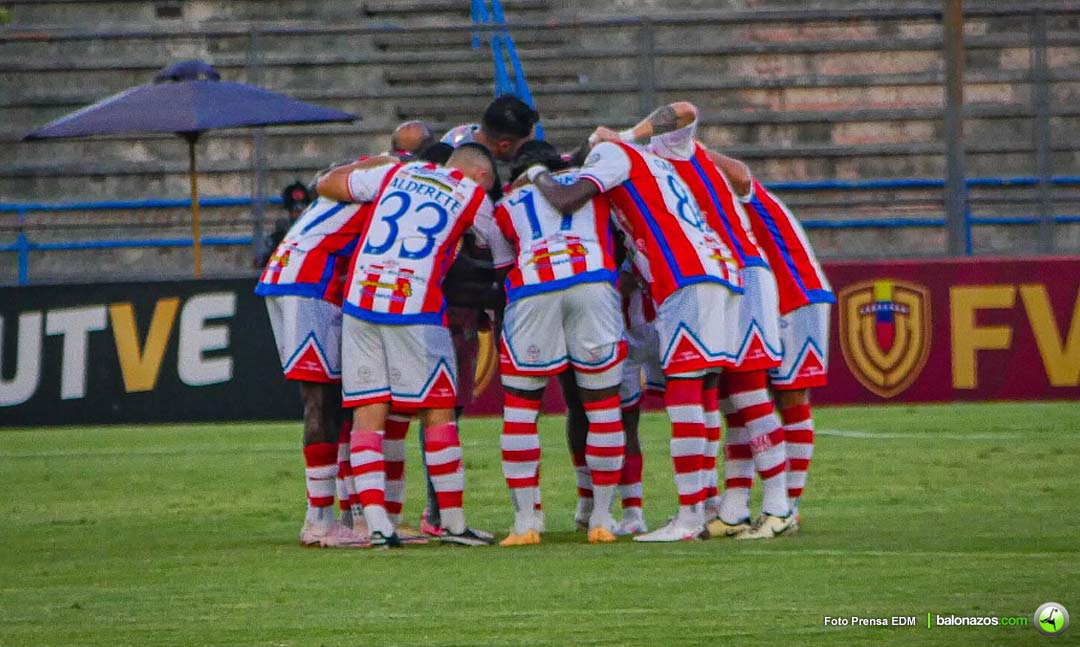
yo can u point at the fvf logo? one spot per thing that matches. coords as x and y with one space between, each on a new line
140 360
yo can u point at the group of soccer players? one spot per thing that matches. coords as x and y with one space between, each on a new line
642 258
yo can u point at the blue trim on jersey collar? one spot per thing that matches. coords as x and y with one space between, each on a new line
532 289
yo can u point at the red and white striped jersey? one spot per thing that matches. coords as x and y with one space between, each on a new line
722 209
659 214
799 278
419 213
552 251
313 258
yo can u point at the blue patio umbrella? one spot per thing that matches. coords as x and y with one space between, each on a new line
187 98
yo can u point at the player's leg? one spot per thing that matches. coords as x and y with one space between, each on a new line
750 395
694 326
711 407
734 513
577 428
520 446
320 460
595 342
630 394
799 436
397 428
805 336
366 389
425 381
307 333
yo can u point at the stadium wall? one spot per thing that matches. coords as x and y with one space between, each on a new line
903 331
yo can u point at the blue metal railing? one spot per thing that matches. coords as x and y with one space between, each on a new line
23 245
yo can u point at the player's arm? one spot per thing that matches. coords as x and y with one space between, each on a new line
661 121
334 184
737 172
565 198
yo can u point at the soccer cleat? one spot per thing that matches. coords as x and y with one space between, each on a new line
712 509
410 536
600 535
313 532
345 537
379 540
720 528
768 526
429 529
467 537
527 538
674 530
631 527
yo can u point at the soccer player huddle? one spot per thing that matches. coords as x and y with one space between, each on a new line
643 258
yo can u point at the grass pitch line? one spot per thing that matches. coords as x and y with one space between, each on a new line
929 436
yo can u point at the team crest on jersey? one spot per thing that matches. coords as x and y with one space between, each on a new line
885 333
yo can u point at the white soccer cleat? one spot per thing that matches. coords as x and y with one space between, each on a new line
313 532
768 526
673 530
345 537
631 526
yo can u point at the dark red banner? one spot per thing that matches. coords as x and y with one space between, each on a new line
938 330
962 329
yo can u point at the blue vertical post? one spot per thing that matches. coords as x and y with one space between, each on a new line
22 245
969 246
503 51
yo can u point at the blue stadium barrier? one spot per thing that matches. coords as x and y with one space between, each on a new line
23 245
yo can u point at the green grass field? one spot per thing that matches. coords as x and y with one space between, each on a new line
186 535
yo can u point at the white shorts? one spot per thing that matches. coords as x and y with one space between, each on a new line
308 336
698 327
759 322
804 335
643 356
581 326
410 366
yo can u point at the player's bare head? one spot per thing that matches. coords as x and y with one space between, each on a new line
412 137
508 122
475 162
537 152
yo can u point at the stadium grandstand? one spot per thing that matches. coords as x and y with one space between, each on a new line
840 103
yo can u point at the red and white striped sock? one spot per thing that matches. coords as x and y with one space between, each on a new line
520 444
683 401
630 484
345 491
443 453
320 460
605 446
750 395
738 467
369 478
799 437
397 427
581 474
711 402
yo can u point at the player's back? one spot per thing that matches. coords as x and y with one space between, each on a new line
721 209
419 213
799 277
678 248
308 260
552 250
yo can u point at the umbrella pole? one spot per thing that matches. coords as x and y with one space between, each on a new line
193 175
